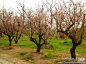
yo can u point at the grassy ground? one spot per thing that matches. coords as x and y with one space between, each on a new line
58 49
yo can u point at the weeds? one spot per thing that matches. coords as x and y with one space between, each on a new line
49 56
23 53
27 58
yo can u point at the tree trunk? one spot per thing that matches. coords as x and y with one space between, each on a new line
46 42
73 55
10 41
1 34
16 41
38 48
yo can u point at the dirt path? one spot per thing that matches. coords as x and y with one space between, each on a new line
4 61
12 56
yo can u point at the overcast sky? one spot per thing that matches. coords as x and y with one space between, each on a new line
29 3
13 3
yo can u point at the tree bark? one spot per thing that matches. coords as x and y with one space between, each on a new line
38 48
16 41
10 41
1 34
72 50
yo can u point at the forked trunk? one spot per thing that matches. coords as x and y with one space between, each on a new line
16 41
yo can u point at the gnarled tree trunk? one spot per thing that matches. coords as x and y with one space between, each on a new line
38 48
10 40
73 55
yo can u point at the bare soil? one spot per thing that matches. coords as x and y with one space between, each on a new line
12 55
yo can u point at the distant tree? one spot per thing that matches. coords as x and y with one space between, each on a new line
7 25
0 30
19 21
22 10
70 20
0 25
61 35
50 8
38 27
18 27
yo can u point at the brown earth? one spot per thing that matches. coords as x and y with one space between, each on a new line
12 55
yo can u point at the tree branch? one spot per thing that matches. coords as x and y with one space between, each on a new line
33 40
70 26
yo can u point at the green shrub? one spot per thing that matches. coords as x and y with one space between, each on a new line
27 58
23 53
49 56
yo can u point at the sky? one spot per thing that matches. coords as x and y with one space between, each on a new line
14 3
29 3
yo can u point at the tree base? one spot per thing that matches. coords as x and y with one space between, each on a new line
46 46
7 48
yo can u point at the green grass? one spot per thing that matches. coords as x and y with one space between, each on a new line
4 42
23 53
49 56
27 58
56 45
26 43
